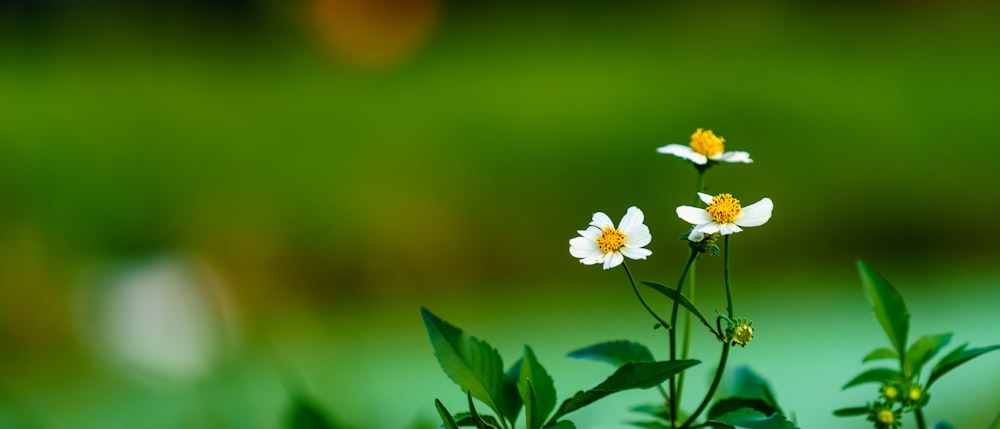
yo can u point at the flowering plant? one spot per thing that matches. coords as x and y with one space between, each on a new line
526 387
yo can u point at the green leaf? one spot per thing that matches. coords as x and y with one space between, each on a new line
467 420
565 424
659 410
743 382
472 364
449 422
956 358
753 419
650 424
875 375
536 390
922 350
481 422
890 310
616 353
852 411
880 353
634 375
728 405
511 404
306 415
684 302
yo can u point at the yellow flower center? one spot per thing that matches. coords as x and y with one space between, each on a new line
707 143
610 240
914 393
742 335
724 208
886 417
890 392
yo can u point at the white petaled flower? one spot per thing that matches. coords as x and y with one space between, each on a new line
705 146
602 243
724 215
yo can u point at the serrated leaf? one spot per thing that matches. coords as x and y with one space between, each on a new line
890 310
956 358
304 414
634 375
852 411
729 405
512 402
752 419
446 418
535 384
616 353
875 375
472 364
922 350
683 301
880 353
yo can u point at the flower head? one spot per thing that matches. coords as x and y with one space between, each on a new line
890 392
724 215
603 243
705 146
884 416
741 332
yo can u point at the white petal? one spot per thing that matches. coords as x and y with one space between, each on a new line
638 237
696 235
581 247
693 215
755 214
729 228
613 259
591 233
734 156
591 260
601 220
709 228
636 253
684 152
707 199
633 217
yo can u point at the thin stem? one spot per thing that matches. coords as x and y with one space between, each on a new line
711 388
919 414
686 342
729 281
631 280
674 395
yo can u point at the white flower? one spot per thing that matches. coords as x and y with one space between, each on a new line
724 215
603 243
705 146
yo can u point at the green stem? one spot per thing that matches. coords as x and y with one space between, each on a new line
711 388
631 280
686 343
674 395
729 281
919 414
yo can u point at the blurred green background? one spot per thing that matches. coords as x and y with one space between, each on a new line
206 206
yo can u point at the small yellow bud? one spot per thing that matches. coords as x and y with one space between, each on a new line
886 417
890 392
915 393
